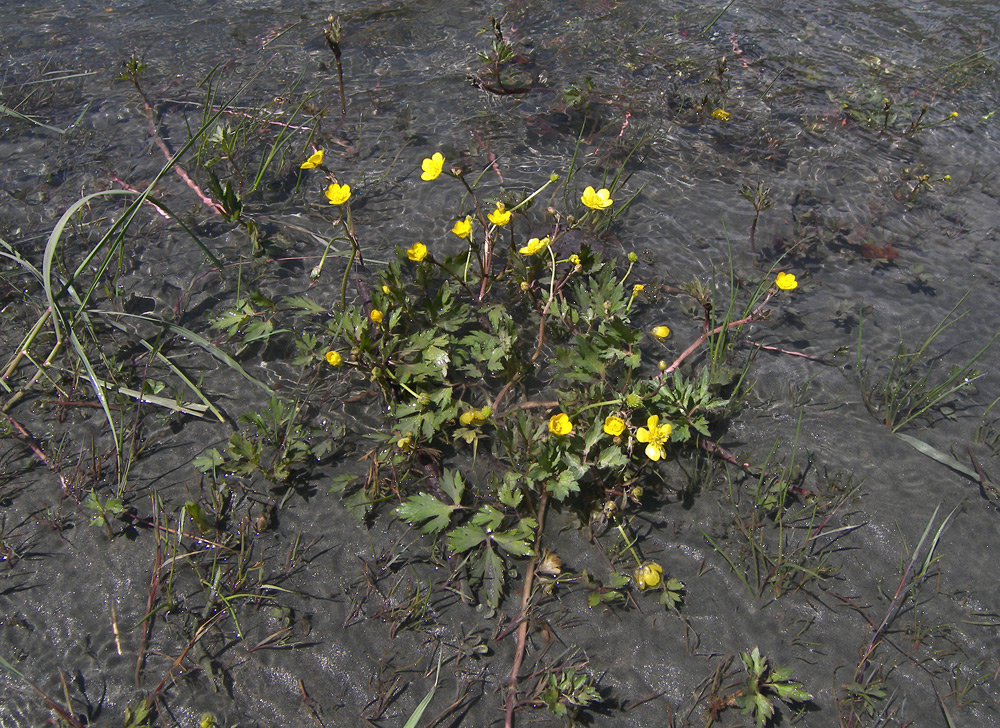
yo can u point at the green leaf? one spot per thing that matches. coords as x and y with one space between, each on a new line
304 303
612 458
466 537
507 494
488 518
340 483
562 486
208 460
425 507
491 571
513 543
451 483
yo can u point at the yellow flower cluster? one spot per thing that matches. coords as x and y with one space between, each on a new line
654 435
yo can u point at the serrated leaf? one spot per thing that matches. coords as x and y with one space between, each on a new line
790 691
562 486
339 483
208 460
466 537
512 543
763 709
304 303
492 574
488 518
508 496
425 507
452 484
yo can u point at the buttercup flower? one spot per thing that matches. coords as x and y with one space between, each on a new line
614 426
463 227
597 200
560 424
637 289
475 416
661 332
500 216
721 115
333 358
338 194
315 159
432 167
574 259
417 252
655 436
386 290
376 316
534 246
649 575
786 281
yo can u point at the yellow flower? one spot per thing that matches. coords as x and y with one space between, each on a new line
334 359
574 259
721 115
560 424
500 216
417 252
338 194
314 160
614 426
786 281
376 316
661 332
649 575
599 200
534 246
463 227
637 289
432 167
655 437
475 416
386 290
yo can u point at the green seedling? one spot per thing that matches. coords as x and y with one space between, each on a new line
103 510
763 685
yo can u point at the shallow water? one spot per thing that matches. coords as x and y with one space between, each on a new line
878 253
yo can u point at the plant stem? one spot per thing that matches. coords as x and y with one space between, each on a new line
522 617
